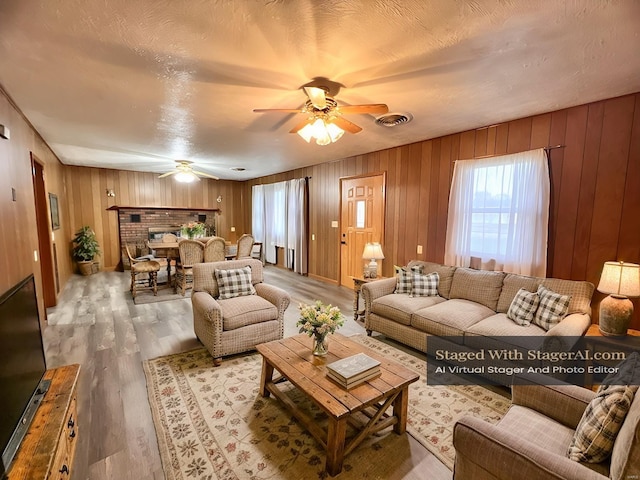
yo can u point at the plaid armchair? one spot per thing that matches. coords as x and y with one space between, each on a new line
531 441
233 325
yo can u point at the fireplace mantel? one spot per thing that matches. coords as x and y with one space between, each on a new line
184 209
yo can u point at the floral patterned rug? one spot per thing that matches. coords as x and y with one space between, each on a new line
212 423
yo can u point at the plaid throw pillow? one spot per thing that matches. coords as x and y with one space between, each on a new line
424 285
523 307
234 283
403 283
596 433
552 309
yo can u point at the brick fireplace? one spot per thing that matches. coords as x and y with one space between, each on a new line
134 224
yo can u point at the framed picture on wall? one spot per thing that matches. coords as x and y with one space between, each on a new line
55 214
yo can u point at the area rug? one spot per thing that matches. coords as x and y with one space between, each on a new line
212 423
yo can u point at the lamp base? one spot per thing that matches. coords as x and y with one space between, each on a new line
372 269
615 316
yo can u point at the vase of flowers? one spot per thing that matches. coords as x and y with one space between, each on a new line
192 230
318 321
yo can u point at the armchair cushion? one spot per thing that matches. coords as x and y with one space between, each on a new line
596 433
246 310
234 283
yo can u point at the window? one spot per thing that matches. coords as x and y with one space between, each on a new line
499 209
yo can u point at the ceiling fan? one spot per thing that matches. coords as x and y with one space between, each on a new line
184 172
324 120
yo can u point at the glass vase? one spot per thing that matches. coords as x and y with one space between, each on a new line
320 344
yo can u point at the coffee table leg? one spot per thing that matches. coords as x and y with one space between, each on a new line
266 376
337 431
400 405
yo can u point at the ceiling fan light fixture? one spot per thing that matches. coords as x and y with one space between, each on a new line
186 177
324 133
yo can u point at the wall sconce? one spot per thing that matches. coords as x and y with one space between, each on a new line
110 192
219 199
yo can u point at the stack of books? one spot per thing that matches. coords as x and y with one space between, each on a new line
354 370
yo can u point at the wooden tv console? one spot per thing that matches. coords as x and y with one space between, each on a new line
49 446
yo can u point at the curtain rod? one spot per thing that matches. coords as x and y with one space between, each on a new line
550 147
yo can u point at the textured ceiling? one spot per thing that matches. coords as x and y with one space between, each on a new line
135 84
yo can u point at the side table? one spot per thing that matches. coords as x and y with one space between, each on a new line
597 343
357 285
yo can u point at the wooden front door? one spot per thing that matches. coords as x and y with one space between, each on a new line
361 221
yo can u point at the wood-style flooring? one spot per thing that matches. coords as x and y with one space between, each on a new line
97 325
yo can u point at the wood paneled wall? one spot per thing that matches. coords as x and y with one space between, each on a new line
595 200
88 202
18 235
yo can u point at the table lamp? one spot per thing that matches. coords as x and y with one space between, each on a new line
373 252
620 280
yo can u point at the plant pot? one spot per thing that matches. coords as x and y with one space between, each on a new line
86 268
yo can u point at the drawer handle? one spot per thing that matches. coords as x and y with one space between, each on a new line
72 434
64 469
70 423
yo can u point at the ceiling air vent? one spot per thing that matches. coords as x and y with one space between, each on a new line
238 169
393 119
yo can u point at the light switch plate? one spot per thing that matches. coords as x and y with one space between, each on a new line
334 223
419 249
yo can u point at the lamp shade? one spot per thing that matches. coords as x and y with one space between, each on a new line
373 251
619 278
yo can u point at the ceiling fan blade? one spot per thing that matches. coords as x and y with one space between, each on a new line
299 126
205 175
346 125
373 108
317 97
283 110
168 173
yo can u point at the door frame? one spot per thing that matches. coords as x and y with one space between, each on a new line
382 173
43 231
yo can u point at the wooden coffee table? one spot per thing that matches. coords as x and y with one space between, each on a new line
293 359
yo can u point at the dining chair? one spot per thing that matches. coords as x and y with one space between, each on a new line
191 253
144 273
214 250
245 244
256 251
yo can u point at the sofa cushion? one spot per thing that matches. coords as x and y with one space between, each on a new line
477 286
404 278
444 272
498 332
234 282
596 433
450 318
552 309
242 311
424 285
523 307
399 307
511 285
579 291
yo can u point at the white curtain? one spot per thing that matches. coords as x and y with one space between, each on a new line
499 209
297 225
279 219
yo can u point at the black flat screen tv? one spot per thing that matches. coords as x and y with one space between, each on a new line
22 366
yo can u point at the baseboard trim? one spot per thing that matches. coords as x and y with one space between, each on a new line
323 279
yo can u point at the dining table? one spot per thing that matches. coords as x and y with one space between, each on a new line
171 252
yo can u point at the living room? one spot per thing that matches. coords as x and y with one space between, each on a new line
595 201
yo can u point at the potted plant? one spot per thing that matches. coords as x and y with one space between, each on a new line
85 249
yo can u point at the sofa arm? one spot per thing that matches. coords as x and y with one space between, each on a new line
275 295
376 289
205 307
563 403
574 325
485 451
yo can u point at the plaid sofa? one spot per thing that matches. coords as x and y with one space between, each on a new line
471 307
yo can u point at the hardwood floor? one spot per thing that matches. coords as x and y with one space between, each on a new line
97 325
